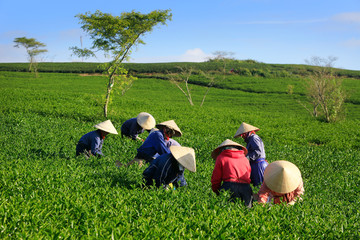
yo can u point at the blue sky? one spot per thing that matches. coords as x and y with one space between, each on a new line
269 31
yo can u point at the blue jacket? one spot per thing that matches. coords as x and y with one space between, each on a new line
164 170
131 128
255 147
169 143
154 144
90 141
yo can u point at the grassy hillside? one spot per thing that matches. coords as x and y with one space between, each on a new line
239 67
46 192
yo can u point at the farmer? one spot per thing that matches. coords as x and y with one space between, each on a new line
256 152
91 143
155 143
172 142
132 127
169 142
232 171
167 168
282 183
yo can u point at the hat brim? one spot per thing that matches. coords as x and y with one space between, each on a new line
106 126
244 128
282 176
185 156
227 143
177 133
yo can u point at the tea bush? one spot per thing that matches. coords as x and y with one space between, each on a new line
239 67
46 192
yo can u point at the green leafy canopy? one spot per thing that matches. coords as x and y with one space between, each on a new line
33 48
117 34
31 45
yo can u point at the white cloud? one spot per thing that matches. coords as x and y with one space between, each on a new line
349 17
353 43
9 53
194 55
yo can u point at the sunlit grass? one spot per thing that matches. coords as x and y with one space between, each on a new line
48 193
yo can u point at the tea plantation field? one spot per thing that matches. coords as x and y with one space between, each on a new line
48 193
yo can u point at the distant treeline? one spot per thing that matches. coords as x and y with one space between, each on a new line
240 67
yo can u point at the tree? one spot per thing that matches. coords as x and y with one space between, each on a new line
115 36
324 90
223 57
32 48
211 78
183 77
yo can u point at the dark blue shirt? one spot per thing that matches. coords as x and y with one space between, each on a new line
164 170
131 128
255 147
154 144
90 141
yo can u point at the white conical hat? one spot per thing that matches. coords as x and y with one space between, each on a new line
244 128
227 142
145 120
282 176
172 125
106 126
185 156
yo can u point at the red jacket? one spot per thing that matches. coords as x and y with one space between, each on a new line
230 166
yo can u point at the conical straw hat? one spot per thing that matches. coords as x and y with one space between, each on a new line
244 128
145 120
282 176
106 126
227 142
185 156
172 125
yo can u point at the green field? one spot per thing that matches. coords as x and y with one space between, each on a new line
48 193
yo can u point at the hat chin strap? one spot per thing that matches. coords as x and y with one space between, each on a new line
102 135
248 134
166 136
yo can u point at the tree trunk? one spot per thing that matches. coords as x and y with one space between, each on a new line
107 98
188 93
203 100
315 114
106 103
31 64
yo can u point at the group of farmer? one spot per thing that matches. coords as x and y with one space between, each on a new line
236 167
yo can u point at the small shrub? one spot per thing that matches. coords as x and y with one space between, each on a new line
290 89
